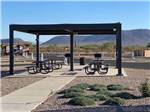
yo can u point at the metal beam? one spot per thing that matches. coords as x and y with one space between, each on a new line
71 52
79 28
11 51
37 50
119 51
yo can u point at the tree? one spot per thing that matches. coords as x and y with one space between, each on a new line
148 45
108 46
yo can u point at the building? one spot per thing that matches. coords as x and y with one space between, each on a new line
138 53
142 53
147 53
20 46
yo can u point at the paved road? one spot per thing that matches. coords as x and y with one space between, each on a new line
133 65
136 65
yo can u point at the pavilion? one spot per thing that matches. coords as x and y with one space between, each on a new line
67 29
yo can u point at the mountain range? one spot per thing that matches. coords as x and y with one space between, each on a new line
129 37
16 41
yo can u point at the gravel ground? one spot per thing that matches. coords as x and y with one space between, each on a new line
141 108
10 84
133 80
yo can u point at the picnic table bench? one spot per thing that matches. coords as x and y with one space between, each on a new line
31 69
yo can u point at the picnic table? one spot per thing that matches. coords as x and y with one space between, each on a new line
43 67
55 64
96 65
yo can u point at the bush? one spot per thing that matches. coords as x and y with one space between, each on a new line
145 89
125 95
97 87
72 89
99 97
105 92
77 88
81 86
82 101
115 87
72 94
114 101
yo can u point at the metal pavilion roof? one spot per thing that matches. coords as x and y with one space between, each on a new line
58 29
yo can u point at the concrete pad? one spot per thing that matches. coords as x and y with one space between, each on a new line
79 71
27 98
111 72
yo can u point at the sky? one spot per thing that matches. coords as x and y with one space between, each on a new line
132 15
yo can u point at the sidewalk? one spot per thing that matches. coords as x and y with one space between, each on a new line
27 98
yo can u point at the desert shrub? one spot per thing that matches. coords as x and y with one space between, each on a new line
82 101
145 88
72 94
97 87
81 86
104 92
77 88
115 101
116 87
72 89
125 95
99 97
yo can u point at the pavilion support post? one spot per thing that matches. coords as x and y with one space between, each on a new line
119 51
11 51
37 51
71 52
116 54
